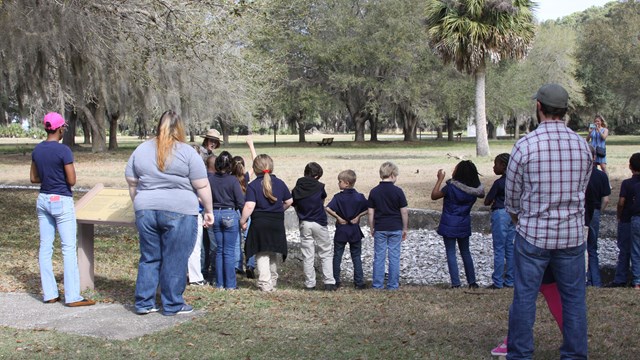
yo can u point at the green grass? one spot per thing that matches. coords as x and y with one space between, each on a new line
428 322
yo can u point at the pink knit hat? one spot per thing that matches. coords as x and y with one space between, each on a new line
53 121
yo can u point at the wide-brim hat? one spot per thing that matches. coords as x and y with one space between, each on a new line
212 134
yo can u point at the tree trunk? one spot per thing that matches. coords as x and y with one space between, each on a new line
450 120
409 122
516 128
359 119
69 137
300 124
373 121
224 129
142 127
482 142
86 130
96 120
113 130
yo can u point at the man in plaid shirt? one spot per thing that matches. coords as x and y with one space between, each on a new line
547 176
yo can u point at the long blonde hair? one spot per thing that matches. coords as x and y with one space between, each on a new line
170 130
602 121
263 164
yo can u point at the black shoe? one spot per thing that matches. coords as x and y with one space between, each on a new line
473 286
360 287
330 287
240 271
455 286
250 273
491 287
338 285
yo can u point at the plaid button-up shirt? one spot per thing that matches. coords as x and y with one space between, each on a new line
547 176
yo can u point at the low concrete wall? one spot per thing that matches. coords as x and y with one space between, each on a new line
480 221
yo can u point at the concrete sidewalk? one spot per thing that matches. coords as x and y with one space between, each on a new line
108 321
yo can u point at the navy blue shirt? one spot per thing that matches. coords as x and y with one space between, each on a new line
387 200
348 204
226 191
496 194
279 189
635 208
50 158
597 188
626 192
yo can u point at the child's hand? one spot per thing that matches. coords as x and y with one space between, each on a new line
441 174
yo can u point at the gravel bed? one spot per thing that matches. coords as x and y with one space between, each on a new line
423 259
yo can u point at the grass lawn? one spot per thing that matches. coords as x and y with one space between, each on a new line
416 322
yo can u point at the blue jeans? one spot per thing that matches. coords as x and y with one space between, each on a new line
635 249
57 211
568 268
452 262
383 241
593 270
239 254
503 232
356 257
624 256
225 229
166 241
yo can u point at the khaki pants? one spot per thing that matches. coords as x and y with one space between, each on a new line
315 238
267 271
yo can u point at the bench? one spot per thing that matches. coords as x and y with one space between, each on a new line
326 141
459 136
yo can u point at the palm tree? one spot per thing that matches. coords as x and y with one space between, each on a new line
470 32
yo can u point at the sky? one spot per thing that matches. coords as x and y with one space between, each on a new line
553 9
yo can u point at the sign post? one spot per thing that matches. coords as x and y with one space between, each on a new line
100 206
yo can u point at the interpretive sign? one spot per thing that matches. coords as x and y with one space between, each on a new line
100 206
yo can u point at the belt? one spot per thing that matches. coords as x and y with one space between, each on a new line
223 208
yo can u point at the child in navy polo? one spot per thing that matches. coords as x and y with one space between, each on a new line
348 206
266 200
388 222
625 211
502 229
460 193
308 200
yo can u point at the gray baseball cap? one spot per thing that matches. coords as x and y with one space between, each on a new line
553 95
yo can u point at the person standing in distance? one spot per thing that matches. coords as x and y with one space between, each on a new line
52 167
547 176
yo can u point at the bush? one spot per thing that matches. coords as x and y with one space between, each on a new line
12 131
627 129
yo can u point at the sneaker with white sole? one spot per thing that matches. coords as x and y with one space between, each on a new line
500 350
186 309
146 311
